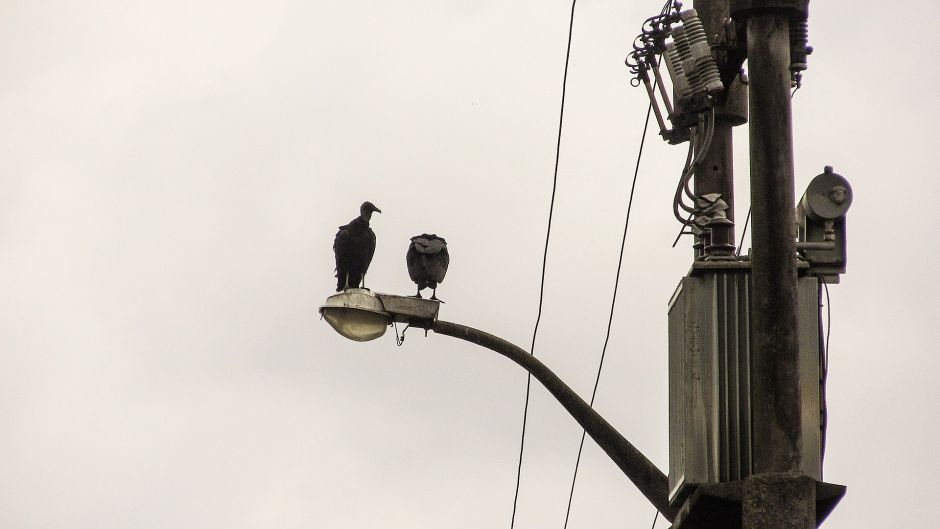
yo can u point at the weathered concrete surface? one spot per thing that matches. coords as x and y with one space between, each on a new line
779 501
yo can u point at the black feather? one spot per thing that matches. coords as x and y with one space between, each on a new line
354 247
427 260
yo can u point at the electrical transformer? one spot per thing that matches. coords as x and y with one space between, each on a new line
710 417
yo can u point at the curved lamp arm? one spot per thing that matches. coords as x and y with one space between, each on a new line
642 472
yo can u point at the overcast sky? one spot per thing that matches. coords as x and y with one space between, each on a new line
173 174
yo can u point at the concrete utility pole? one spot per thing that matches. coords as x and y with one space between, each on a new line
744 381
777 495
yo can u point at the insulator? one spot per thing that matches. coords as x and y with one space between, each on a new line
680 82
799 38
706 68
706 77
694 30
686 61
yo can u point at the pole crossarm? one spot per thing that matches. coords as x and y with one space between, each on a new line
651 481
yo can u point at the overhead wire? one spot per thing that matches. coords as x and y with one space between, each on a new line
551 208
747 220
828 328
824 357
613 303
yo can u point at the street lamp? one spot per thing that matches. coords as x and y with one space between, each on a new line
357 314
361 315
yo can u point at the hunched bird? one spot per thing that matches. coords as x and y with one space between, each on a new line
427 260
354 247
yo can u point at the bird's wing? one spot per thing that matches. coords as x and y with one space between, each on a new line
413 260
341 245
370 235
438 263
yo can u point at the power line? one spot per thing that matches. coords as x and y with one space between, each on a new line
743 232
551 208
828 328
613 303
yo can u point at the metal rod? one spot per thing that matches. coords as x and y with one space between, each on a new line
662 87
652 94
651 481
816 245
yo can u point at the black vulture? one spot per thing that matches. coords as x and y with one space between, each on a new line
427 260
354 246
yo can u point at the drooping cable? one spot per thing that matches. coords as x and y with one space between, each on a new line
694 157
828 328
708 124
551 208
823 359
697 151
677 198
824 406
613 303
665 10
743 232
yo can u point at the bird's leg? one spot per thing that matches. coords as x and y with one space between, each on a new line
364 282
418 295
347 282
434 296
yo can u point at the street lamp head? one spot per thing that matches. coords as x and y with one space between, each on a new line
357 314
361 315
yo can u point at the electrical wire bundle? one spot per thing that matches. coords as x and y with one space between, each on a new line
703 205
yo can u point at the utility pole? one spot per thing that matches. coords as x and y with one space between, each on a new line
738 415
746 383
777 495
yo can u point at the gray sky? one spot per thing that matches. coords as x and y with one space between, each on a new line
173 176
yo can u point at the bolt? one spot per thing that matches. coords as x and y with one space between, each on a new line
838 195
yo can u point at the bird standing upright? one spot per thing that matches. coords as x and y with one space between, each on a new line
427 260
354 247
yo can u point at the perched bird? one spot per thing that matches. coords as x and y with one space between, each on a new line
427 260
354 246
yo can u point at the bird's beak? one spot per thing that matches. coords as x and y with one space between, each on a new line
377 210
